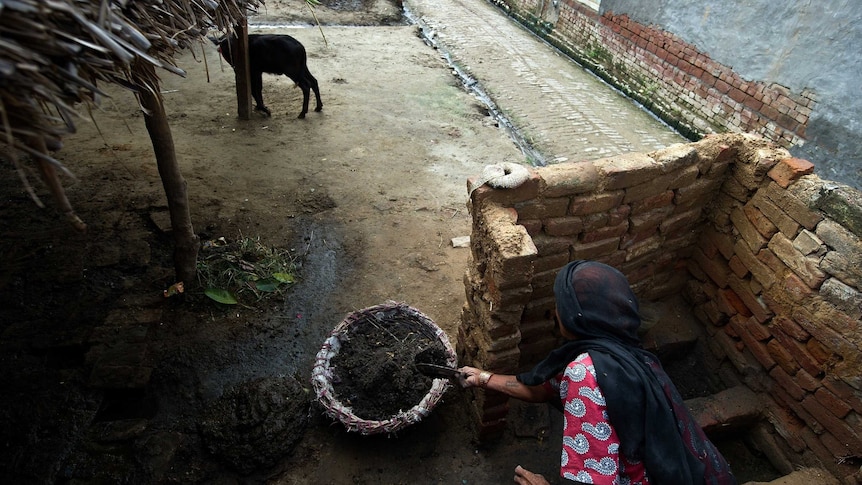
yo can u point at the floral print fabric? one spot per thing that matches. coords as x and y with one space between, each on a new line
590 444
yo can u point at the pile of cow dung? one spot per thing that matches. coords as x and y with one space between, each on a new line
374 372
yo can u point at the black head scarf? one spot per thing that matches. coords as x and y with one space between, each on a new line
596 303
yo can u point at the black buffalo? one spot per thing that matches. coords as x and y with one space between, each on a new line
274 54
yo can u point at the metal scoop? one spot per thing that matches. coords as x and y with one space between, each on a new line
434 370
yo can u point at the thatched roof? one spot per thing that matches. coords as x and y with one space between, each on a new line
55 53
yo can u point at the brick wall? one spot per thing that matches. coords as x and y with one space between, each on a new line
769 257
670 77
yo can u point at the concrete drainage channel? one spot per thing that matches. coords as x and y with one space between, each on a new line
472 85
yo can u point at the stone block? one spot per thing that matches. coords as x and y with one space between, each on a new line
843 297
565 179
789 170
842 204
807 243
844 258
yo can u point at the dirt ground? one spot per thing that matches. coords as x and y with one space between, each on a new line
105 380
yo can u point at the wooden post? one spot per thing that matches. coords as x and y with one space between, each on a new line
242 71
186 242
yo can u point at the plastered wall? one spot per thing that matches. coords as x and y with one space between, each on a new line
785 70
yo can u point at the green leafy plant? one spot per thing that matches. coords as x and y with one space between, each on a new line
244 270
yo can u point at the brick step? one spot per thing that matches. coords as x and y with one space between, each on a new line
669 329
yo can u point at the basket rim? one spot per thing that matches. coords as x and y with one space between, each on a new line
321 375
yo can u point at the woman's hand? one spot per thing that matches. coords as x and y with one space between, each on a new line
524 477
472 377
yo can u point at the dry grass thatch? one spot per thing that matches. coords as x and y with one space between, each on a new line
55 53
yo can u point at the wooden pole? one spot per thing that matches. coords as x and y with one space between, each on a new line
242 71
186 242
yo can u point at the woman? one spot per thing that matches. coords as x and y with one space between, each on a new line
624 421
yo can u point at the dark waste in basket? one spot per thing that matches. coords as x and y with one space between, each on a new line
324 375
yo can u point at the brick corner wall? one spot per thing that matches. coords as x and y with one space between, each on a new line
768 255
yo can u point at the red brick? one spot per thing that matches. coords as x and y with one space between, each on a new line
820 353
841 430
563 226
605 233
806 381
738 268
844 392
716 269
732 304
758 350
596 249
757 307
777 214
722 87
737 95
799 352
757 330
591 204
763 225
784 360
796 288
759 271
791 328
831 402
786 383
748 231
787 425
789 170
813 443
818 326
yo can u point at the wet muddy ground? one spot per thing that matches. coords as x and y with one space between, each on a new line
106 380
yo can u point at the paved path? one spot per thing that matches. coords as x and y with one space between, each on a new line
565 112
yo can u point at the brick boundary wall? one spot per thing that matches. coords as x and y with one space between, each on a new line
768 256
683 86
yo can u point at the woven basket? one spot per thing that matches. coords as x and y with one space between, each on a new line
321 374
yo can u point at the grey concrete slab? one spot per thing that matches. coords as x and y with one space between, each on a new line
565 112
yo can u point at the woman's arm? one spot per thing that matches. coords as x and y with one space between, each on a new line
507 384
